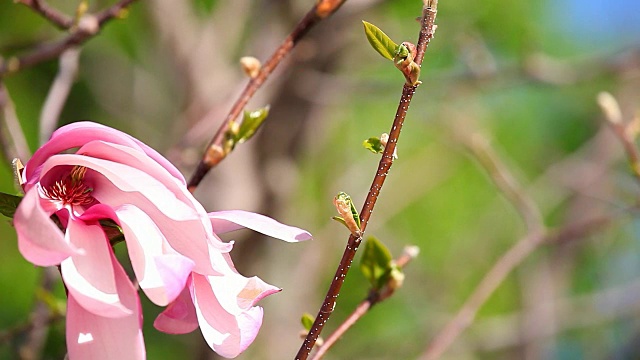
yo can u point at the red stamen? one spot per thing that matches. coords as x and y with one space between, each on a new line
70 189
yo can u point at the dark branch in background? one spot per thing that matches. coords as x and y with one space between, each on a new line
375 296
214 151
60 20
13 142
87 27
427 29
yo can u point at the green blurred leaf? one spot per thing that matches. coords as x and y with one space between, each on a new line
307 321
251 123
380 41
8 204
376 262
374 145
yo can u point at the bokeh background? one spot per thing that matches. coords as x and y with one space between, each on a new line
522 75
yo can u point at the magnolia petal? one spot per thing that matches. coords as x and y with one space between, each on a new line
40 240
126 179
161 276
225 221
91 336
140 161
237 293
180 316
90 277
80 133
228 334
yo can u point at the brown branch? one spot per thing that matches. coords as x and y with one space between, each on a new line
57 18
426 34
88 26
375 296
498 273
214 152
14 134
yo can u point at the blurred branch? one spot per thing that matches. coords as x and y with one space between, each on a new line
214 151
427 29
62 21
88 26
626 132
375 296
58 93
505 182
498 273
13 129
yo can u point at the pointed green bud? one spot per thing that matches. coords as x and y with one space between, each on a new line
348 213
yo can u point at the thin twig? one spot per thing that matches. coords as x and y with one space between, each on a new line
505 181
14 130
426 34
88 26
58 93
213 153
626 132
375 296
498 273
57 18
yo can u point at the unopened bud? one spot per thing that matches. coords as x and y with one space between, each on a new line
396 278
214 155
88 24
344 206
251 66
610 107
384 138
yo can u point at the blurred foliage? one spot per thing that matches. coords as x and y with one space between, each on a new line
513 71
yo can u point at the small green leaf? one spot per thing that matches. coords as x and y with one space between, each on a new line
8 204
307 321
251 123
340 220
380 41
374 145
376 262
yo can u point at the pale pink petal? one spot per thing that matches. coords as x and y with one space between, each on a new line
91 336
40 240
225 221
139 160
228 334
236 292
180 316
80 133
126 179
161 275
90 278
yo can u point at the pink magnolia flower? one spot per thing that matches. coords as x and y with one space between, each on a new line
169 236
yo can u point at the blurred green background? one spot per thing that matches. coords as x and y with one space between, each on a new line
522 75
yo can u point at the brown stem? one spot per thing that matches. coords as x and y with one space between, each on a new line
214 151
77 37
60 20
426 33
374 297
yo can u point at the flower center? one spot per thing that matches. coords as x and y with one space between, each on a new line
71 190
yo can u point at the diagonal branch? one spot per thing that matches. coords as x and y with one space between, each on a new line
427 29
57 18
88 26
214 151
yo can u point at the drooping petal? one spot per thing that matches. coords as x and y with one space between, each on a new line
180 316
80 133
228 332
91 277
91 336
161 275
40 240
230 220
